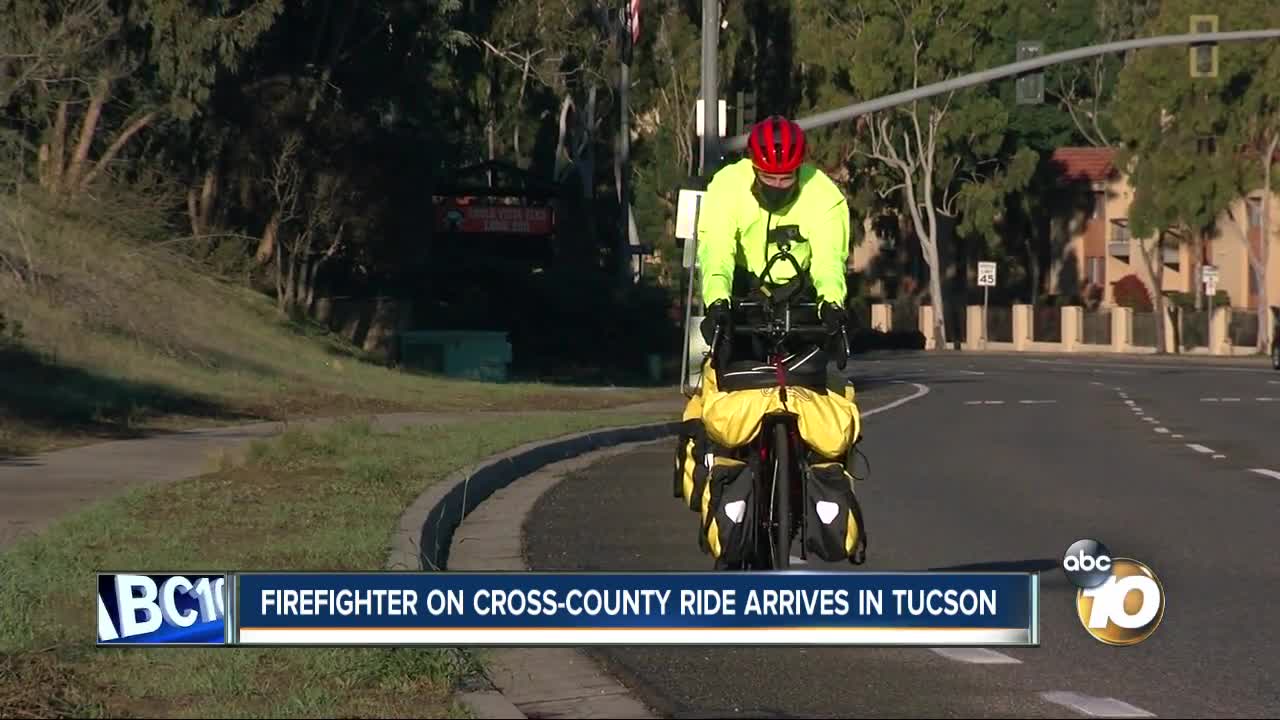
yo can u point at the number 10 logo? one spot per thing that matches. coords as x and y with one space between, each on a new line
1127 608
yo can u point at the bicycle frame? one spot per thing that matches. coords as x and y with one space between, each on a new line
774 554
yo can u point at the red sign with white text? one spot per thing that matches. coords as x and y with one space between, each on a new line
494 219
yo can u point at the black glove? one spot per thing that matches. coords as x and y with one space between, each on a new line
717 314
833 316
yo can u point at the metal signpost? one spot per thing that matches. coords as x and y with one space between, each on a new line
687 207
986 281
1209 276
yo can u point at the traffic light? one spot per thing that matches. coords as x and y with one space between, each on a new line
746 111
1030 87
1204 57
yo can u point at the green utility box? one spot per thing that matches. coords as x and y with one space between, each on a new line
474 355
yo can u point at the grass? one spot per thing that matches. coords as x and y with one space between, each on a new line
307 500
108 331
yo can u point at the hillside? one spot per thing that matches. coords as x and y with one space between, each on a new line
111 329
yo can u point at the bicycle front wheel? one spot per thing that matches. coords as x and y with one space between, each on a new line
781 497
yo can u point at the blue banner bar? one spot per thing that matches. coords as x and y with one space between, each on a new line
797 599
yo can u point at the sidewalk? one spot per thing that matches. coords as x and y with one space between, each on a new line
1259 361
40 488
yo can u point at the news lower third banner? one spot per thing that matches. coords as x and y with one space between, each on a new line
569 609
575 609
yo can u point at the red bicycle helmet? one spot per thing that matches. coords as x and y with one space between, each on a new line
777 145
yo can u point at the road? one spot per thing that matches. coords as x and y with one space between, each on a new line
1002 464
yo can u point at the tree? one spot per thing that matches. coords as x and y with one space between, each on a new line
1188 141
938 159
1087 89
129 64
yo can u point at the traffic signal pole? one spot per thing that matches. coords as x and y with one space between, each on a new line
848 112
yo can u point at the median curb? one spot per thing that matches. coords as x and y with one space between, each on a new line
425 533
421 542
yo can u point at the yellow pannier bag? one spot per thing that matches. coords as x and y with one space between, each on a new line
828 422
690 464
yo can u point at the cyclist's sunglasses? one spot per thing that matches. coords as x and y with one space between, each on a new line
776 179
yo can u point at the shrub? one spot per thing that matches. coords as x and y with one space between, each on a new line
1130 291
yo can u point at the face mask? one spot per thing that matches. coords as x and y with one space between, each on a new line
773 198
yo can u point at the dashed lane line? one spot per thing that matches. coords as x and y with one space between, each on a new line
980 656
1200 448
1095 706
1264 471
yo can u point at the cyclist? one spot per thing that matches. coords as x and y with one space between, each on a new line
746 202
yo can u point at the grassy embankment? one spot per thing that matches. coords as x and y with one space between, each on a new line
111 336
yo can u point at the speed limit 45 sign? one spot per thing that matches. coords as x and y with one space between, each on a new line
986 274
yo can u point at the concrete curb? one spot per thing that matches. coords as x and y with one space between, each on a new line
422 540
425 534
561 682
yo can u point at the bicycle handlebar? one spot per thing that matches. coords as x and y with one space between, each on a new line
803 330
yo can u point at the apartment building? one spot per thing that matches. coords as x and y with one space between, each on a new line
1099 248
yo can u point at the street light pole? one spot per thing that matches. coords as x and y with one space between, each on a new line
710 95
626 259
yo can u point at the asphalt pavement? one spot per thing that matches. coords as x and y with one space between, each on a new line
1002 464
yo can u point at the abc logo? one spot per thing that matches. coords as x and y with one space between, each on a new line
1120 601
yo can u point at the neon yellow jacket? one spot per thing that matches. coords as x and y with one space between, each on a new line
732 231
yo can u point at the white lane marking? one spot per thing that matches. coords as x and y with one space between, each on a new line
1150 419
1264 471
1208 399
1273 382
1200 448
980 656
1162 430
972 402
1095 706
1266 399
921 391
1094 382
1219 456
1036 402
993 402
972 372
1230 399
1128 402
1176 435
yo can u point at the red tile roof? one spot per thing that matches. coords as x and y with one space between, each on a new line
1084 163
